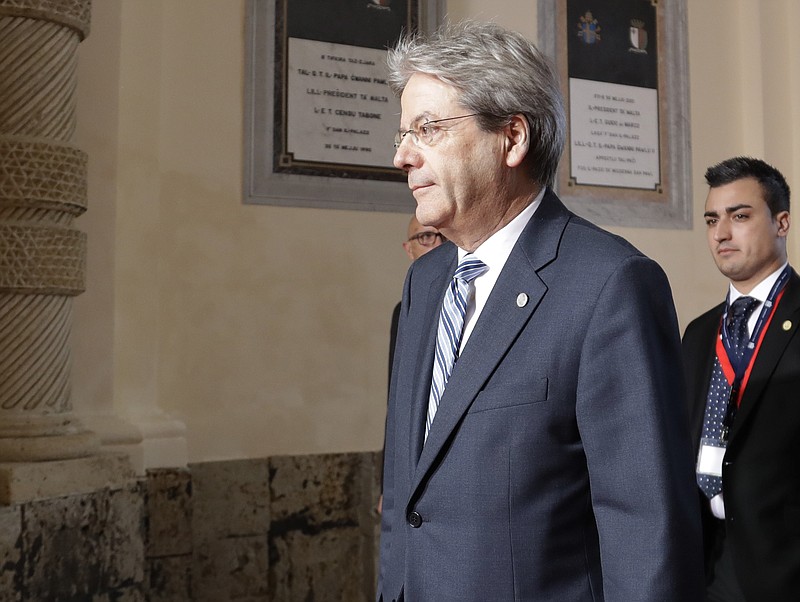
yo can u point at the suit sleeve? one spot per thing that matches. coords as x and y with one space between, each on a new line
631 413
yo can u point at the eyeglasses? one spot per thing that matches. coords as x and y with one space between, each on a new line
428 239
427 132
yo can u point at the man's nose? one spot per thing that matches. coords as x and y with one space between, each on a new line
407 154
722 231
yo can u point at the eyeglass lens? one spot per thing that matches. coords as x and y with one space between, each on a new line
427 239
425 132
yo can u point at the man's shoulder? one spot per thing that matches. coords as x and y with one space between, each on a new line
594 237
591 238
710 318
598 252
575 236
793 285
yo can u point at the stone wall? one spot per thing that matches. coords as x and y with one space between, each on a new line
285 528
82 547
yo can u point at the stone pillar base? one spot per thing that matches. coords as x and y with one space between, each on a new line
153 440
39 438
22 482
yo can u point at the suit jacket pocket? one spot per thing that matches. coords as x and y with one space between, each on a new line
505 396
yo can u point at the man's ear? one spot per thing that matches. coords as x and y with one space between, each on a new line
784 221
517 139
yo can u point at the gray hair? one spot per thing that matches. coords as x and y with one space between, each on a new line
498 74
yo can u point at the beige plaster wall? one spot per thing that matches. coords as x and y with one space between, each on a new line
215 330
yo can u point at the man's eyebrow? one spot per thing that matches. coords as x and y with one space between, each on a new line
736 208
422 117
728 210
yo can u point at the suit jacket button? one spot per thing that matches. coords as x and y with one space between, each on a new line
414 519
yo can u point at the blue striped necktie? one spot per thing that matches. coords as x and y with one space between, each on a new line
451 326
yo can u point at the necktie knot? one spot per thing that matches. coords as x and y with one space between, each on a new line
742 308
738 314
470 268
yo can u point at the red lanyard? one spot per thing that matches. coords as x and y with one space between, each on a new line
725 362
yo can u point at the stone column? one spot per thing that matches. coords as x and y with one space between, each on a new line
42 256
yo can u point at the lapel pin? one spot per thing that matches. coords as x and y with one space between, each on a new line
787 325
522 300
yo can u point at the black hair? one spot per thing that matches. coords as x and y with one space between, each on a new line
772 182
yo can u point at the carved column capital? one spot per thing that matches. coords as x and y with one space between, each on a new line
75 14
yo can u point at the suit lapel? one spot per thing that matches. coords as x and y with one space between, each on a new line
782 328
498 326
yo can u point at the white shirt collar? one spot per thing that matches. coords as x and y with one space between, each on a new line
761 290
494 251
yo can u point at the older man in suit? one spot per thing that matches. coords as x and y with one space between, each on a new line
536 443
743 370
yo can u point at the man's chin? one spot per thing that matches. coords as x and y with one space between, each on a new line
729 271
428 214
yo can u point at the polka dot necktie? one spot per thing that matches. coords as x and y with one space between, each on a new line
451 325
719 390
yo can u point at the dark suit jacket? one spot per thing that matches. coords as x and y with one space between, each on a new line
761 469
558 467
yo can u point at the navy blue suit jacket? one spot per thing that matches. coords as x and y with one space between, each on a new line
559 466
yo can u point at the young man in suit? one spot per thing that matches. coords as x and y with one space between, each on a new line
536 441
742 361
